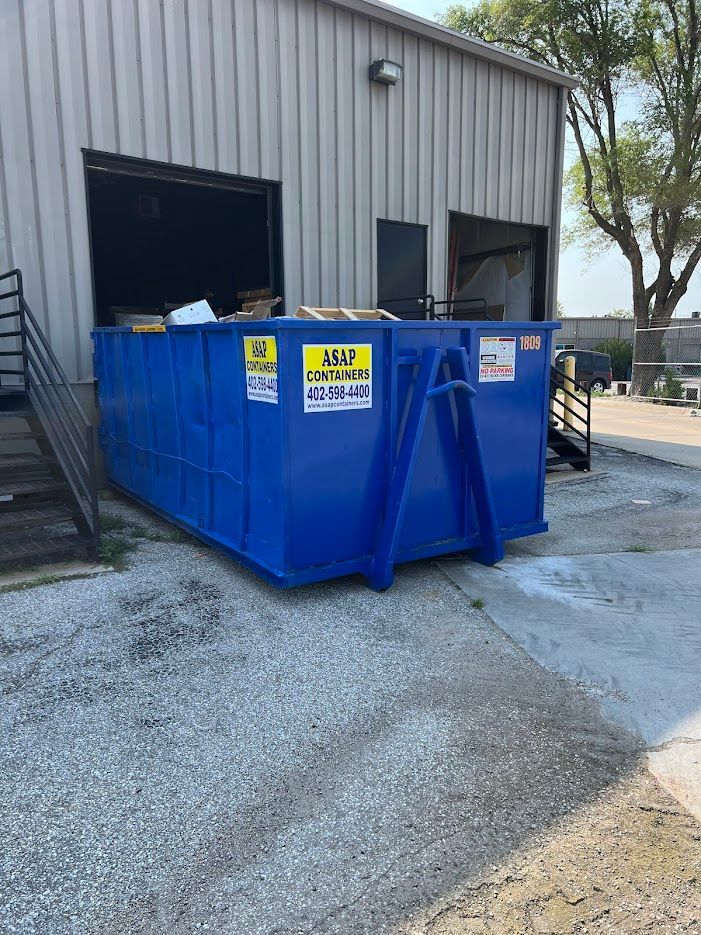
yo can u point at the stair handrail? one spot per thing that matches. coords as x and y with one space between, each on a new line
570 386
63 419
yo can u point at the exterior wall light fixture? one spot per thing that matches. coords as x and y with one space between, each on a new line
386 72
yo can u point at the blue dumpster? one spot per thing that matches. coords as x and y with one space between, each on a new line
310 450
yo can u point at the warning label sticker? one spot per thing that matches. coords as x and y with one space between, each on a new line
497 359
260 354
337 376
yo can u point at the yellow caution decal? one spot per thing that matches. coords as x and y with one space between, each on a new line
260 354
337 376
148 328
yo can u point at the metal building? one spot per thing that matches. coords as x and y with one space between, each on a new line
155 151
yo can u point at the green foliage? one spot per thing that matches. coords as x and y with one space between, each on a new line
114 550
621 354
477 603
619 313
671 388
110 523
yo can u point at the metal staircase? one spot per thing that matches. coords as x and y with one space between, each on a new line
569 445
48 488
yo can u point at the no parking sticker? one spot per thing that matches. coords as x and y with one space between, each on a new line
497 359
260 354
337 376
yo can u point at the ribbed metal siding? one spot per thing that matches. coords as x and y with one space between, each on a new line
274 89
587 332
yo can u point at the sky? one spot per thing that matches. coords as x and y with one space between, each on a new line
584 287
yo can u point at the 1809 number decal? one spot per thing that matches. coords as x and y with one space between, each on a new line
530 342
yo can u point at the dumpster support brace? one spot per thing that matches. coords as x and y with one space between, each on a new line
491 549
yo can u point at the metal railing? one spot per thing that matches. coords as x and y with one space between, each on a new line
570 406
455 309
62 419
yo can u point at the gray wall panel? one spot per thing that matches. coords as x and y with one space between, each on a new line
326 142
205 127
272 89
410 86
153 79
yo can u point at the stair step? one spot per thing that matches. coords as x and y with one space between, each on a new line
23 460
24 466
34 549
14 404
567 459
38 488
46 514
18 436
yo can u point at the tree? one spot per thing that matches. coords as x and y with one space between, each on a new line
637 182
559 309
619 313
621 354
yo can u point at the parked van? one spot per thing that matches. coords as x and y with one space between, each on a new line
591 368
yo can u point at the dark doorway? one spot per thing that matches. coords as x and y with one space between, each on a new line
497 270
401 268
163 236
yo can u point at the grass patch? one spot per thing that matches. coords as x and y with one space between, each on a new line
639 548
158 535
114 550
109 523
477 603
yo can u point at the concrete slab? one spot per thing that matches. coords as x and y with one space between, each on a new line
56 570
664 432
626 626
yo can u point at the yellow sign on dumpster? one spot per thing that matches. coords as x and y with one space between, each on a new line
260 354
337 376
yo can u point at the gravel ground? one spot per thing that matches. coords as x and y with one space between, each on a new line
598 513
185 749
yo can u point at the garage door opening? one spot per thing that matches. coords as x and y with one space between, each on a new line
164 236
496 270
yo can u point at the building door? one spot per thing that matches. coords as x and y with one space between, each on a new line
401 268
163 236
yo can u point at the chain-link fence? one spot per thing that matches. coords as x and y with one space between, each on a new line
667 364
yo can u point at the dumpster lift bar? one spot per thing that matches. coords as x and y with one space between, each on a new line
491 549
